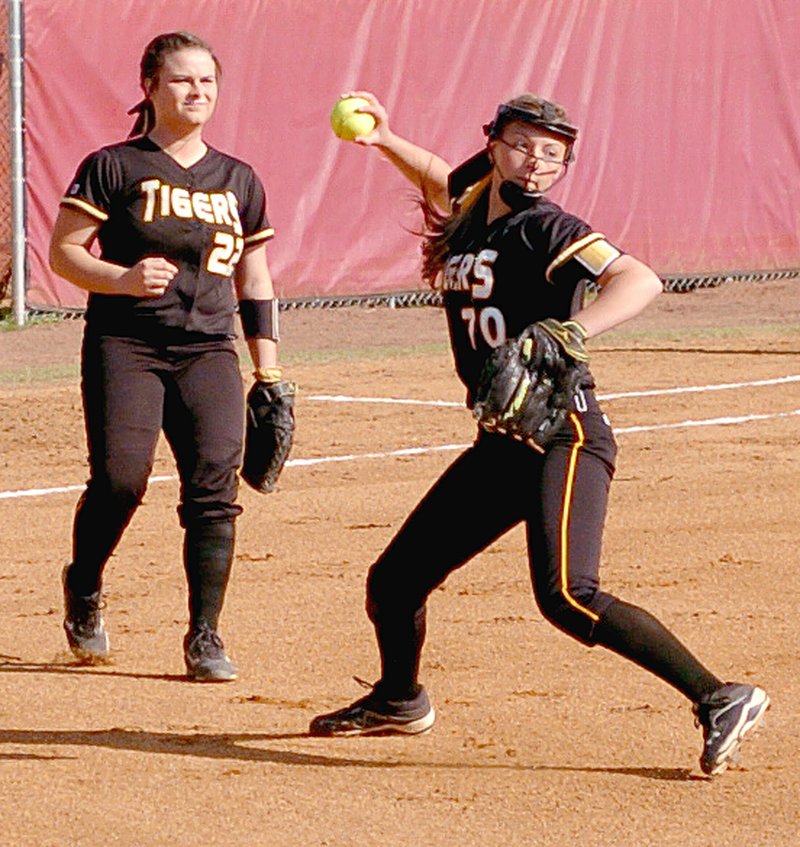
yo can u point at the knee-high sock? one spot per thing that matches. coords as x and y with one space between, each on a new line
636 634
400 641
207 556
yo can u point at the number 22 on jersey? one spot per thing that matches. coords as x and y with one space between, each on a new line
226 253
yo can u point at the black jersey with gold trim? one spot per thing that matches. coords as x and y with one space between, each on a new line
201 218
501 277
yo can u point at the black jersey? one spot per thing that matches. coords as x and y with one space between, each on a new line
523 267
200 218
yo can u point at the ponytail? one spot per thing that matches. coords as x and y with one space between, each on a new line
145 118
441 231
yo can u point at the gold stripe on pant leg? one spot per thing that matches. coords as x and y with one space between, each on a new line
565 517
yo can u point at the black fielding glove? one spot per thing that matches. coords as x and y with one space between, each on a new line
528 383
269 434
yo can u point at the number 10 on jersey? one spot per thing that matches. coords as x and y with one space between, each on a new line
486 320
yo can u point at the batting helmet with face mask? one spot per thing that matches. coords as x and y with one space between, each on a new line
529 109
538 112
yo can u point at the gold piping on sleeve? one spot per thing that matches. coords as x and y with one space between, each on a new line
83 206
258 237
567 254
565 516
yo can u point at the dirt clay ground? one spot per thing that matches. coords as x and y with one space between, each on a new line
538 740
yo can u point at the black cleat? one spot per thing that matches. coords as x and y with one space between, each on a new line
205 656
83 624
378 715
727 716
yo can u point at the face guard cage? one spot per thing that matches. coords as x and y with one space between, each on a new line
543 114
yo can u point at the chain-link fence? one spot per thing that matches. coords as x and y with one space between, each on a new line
5 160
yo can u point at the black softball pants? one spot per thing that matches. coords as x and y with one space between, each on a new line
562 497
134 388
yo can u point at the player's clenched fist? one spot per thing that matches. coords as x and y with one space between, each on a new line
148 278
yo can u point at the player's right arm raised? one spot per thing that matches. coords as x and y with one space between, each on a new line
71 258
422 167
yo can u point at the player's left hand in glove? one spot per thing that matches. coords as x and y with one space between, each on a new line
269 433
528 383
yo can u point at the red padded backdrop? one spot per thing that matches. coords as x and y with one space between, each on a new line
688 156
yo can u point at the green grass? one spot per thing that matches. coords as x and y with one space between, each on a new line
25 375
345 354
8 324
771 330
630 335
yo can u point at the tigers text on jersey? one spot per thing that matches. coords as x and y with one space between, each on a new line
501 277
200 218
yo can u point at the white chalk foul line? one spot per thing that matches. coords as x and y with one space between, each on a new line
62 489
708 422
419 451
398 401
690 389
390 454
655 392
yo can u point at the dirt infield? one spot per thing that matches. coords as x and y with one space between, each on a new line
538 741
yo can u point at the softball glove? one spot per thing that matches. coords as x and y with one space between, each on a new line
528 383
269 433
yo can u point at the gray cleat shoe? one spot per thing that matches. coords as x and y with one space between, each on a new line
727 716
205 656
83 624
377 715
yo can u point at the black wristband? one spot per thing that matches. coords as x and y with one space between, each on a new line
259 318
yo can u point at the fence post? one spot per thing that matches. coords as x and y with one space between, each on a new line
15 77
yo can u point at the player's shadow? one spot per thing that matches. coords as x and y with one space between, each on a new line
668 774
241 747
14 664
248 747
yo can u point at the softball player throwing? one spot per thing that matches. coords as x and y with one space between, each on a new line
176 221
505 257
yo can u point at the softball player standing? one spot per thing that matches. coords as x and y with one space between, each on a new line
182 231
504 257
